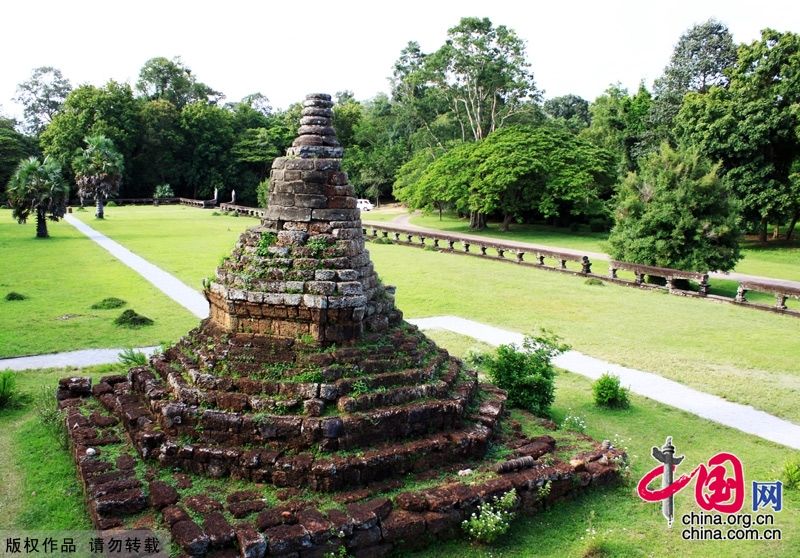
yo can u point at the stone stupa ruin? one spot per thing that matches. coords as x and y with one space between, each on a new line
304 416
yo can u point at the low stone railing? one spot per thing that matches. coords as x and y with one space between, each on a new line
243 210
203 204
668 274
540 258
506 252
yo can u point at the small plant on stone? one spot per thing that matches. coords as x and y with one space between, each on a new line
317 245
574 423
492 519
130 357
13 295
544 490
791 473
359 388
109 303
609 393
132 320
527 373
267 239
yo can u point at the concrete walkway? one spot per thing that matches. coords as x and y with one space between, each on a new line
167 283
741 417
76 359
403 222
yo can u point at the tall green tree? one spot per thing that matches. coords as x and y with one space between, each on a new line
699 61
752 127
37 187
570 109
110 111
14 147
209 140
98 169
41 97
173 81
157 158
676 212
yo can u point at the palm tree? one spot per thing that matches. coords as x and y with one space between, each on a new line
98 170
38 187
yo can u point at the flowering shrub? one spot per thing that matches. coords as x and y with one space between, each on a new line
574 423
492 519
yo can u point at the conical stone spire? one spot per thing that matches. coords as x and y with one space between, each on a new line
305 270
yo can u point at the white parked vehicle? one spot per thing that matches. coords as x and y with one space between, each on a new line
364 205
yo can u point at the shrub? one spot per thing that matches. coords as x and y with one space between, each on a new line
492 519
527 374
109 303
131 319
13 295
609 393
131 357
574 423
111 204
163 191
262 193
475 356
791 473
317 245
267 239
594 282
8 388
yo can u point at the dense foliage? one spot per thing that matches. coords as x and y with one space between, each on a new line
676 212
98 170
37 188
608 392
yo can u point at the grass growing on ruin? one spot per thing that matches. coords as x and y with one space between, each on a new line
738 353
615 520
778 259
61 278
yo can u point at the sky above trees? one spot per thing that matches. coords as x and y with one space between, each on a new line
283 51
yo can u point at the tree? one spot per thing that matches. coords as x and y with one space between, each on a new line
258 102
13 148
752 128
98 170
571 109
483 72
699 61
110 111
157 159
37 187
171 80
676 212
209 140
42 96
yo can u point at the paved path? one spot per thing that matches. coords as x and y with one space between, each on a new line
403 222
77 359
167 283
653 386
741 417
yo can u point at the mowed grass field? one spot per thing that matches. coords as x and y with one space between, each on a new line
741 354
62 277
777 259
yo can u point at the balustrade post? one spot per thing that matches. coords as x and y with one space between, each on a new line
563 264
586 265
422 240
436 242
704 285
450 243
612 271
780 301
397 237
501 253
540 259
483 250
639 277
520 256
466 246
740 294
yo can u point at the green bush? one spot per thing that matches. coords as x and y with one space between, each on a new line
527 374
267 239
52 418
111 204
131 319
608 392
13 295
262 193
131 357
163 191
492 519
109 303
791 473
8 388
595 282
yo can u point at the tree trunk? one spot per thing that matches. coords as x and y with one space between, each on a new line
790 230
477 220
762 231
99 209
41 224
440 210
506 222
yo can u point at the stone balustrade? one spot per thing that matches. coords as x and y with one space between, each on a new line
243 210
554 260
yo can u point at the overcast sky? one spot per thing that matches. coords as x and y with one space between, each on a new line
288 48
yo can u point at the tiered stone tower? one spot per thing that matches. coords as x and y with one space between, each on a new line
305 271
307 388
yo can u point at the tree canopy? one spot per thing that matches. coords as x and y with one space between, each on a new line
38 188
42 96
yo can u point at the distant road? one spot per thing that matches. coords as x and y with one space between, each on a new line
402 221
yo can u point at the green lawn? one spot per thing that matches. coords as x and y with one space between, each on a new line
780 260
186 241
62 277
740 354
383 213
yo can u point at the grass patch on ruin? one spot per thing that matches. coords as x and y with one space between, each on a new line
62 277
778 259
